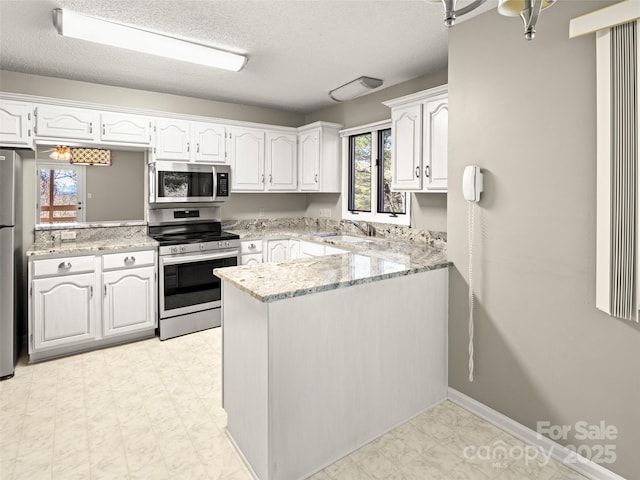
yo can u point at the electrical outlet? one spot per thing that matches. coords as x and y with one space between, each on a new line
261 214
67 235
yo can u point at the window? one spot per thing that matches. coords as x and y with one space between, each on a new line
60 193
367 151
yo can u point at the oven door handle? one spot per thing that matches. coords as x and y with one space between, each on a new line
173 260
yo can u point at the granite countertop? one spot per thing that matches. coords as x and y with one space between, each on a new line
91 246
371 260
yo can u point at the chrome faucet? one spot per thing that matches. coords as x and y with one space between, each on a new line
368 229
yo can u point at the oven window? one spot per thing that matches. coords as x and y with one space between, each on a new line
191 284
185 184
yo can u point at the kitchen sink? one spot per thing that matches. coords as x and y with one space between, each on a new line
349 239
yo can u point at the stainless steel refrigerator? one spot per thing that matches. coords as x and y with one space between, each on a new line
10 261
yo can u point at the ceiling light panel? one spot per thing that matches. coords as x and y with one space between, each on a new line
84 27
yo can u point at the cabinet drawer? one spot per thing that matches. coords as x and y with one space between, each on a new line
250 246
128 259
63 266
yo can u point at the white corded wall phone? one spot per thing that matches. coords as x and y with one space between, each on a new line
472 187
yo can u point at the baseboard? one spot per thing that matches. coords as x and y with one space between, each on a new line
559 453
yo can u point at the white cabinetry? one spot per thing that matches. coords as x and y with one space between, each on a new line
281 161
420 129
63 306
251 252
129 293
173 141
82 302
103 128
247 159
16 124
209 140
276 250
66 123
319 157
187 141
125 128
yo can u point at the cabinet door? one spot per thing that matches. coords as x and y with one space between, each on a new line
15 124
406 127
66 123
277 250
252 259
123 128
309 160
247 159
294 249
281 161
63 310
436 126
172 140
129 300
209 142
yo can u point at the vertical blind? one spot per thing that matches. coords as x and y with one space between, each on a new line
624 171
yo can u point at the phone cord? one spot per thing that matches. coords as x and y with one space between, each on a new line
471 216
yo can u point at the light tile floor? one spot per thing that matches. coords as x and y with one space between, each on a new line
151 410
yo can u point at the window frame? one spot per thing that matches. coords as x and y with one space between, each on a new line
376 172
80 186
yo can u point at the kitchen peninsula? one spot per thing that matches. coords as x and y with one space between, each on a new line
322 355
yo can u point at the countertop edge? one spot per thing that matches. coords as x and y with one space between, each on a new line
330 286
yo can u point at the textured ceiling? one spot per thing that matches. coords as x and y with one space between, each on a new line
298 49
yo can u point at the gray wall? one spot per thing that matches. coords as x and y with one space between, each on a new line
429 209
525 113
117 191
128 97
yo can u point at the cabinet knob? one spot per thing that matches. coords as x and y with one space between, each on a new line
188 147
65 265
417 172
252 246
130 260
426 171
315 177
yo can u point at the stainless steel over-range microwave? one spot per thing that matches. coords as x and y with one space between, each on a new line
177 182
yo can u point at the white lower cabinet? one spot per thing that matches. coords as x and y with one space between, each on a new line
276 250
84 302
251 252
64 310
129 300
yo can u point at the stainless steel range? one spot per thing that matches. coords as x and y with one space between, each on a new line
192 244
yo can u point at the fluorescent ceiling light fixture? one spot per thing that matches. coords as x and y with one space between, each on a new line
354 88
77 25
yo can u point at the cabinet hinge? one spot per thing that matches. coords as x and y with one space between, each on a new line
91 291
29 116
31 339
105 290
28 132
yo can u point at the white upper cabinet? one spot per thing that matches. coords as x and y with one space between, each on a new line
66 123
436 126
310 160
173 140
209 141
406 127
16 124
281 161
93 126
187 141
247 159
319 157
125 128
420 124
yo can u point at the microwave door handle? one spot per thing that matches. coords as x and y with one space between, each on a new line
199 257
